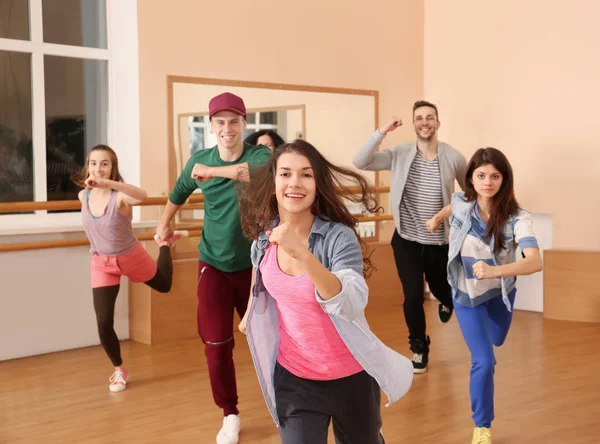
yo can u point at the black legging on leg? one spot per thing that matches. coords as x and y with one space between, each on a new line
163 278
104 306
105 298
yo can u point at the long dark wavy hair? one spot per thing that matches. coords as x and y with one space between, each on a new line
258 204
80 178
252 139
504 202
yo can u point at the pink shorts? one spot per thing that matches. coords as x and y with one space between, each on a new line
136 264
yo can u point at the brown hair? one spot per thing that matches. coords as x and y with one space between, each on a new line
504 202
422 103
80 178
257 211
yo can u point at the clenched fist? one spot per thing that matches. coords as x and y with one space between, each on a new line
286 238
201 173
396 122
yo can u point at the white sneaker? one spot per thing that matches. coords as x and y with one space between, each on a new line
229 433
118 381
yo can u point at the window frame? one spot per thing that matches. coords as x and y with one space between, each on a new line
123 126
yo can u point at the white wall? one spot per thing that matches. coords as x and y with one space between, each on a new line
46 300
530 289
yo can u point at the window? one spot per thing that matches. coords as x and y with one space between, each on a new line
57 80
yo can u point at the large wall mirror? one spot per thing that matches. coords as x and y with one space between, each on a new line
336 121
195 133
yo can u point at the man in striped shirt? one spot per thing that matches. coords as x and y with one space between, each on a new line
422 182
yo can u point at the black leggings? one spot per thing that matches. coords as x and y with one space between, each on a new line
105 298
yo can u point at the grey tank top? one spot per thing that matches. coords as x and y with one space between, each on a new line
110 234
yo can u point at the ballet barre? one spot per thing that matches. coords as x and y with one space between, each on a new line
192 232
196 231
60 205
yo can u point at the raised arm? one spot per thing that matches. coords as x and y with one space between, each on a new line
325 282
367 158
257 156
532 263
128 194
240 171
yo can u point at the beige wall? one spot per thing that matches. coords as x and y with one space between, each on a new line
294 125
523 77
335 43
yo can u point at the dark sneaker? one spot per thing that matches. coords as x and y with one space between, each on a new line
419 361
421 357
444 313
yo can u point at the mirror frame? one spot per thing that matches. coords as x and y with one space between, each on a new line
172 80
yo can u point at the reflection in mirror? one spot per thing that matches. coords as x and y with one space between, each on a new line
195 133
336 121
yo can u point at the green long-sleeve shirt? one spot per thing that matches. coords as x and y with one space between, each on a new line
222 244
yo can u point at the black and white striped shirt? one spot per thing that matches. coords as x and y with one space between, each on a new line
421 200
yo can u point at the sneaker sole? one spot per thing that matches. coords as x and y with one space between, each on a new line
419 371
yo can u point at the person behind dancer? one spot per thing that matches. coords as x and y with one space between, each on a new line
224 267
266 138
422 182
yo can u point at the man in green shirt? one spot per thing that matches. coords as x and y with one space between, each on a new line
224 269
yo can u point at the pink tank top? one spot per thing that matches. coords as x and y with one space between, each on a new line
309 346
110 234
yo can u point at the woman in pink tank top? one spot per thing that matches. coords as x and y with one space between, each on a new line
106 207
309 266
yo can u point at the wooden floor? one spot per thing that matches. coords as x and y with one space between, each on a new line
547 391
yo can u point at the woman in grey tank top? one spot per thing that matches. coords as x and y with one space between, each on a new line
106 207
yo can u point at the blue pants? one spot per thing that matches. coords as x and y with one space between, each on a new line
483 327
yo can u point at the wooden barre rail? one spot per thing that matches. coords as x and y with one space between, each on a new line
193 231
73 242
59 205
377 218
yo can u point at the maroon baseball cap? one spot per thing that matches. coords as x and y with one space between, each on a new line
226 102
